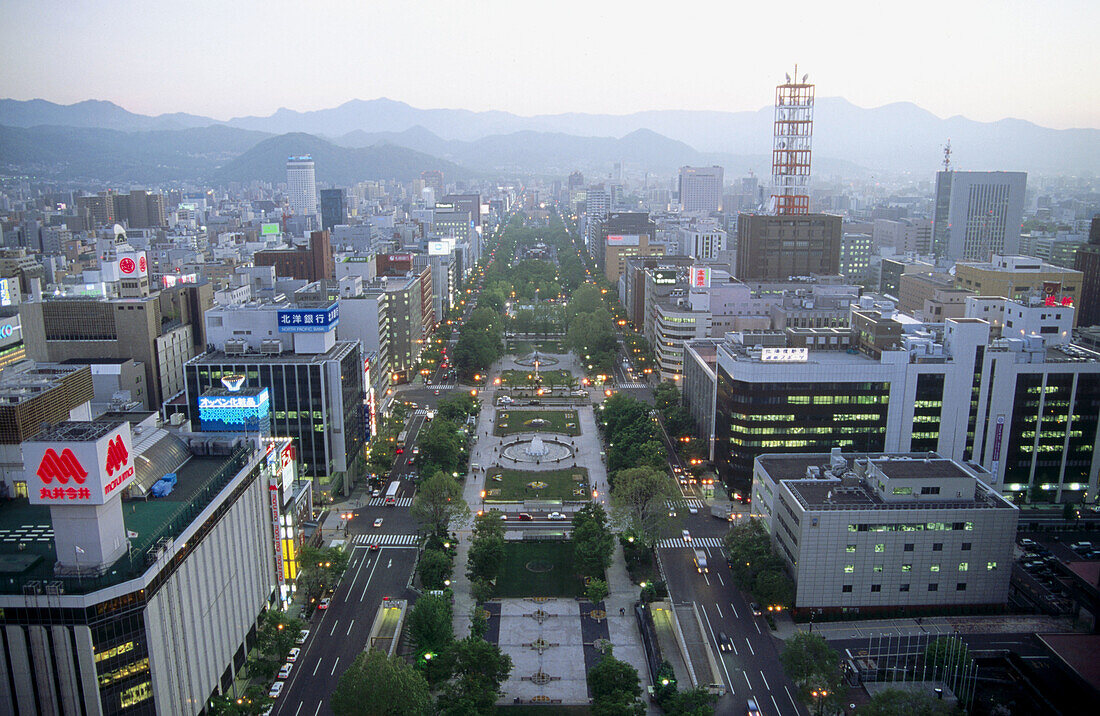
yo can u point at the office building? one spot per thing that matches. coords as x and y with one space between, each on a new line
310 263
1025 406
977 214
314 381
1018 278
137 210
161 332
855 257
891 271
905 236
875 533
123 605
301 186
1087 261
597 205
774 248
334 208
702 241
1058 250
916 288
700 189
622 235
697 387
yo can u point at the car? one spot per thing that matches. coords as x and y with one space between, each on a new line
435 392
724 642
284 670
756 610
416 450
1027 543
378 523
672 513
556 516
374 547
525 516
276 689
375 493
323 603
686 535
693 510
399 451
292 655
302 636
751 709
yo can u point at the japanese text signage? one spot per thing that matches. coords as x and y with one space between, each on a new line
133 264
79 473
309 320
664 277
784 355
700 277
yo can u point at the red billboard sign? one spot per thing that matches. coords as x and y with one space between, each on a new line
63 467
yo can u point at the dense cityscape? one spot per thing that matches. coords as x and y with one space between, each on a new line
380 410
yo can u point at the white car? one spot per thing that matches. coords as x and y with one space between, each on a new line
292 655
686 535
693 510
276 689
284 672
556 516
302 636
378 523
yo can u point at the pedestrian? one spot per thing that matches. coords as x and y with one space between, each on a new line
622 611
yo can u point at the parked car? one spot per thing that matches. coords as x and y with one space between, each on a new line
292 655
1027 543
284 670
276 689
302 636
323 604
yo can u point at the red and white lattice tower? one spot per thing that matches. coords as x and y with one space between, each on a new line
794 127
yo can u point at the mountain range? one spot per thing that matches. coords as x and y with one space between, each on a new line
848 140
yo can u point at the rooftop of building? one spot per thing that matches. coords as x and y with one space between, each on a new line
1015 264
220 357
27 550
77 431
1077 652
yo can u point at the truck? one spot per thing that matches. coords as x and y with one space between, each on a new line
723 511
391 494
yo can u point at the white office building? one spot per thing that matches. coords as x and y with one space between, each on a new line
700 189
882 533
301 186
977 214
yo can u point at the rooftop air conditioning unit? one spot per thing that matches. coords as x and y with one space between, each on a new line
271 346
236 347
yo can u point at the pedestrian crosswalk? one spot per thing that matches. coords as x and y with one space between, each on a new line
632 386
419 412
443 386
696 543
381 501
687 502
385 540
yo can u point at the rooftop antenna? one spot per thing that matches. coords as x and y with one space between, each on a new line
947 156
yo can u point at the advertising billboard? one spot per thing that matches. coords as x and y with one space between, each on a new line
700 277
438 248
241 411
132 264
784 355
664 277
306 320
623 239
9 289
269 229
79 472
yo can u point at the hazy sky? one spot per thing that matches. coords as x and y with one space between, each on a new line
1035 60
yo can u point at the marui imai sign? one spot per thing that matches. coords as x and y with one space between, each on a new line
79 473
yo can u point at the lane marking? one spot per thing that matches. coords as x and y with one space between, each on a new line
746 675
318 709
350 626
721 661
318 666
734 611
332 673
791 698
334 627
766 682
773 701
750 646
300 705
720 579
757 627
719 610
367 584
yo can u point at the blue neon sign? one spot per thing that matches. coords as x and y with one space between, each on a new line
301 320
235 413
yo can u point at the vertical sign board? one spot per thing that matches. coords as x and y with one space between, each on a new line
133 264
700 277
997 433
79 472
273 489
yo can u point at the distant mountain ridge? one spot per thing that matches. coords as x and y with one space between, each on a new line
899 137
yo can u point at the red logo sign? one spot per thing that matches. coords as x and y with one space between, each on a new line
127 265
142 264
61 467
1052 301
117 455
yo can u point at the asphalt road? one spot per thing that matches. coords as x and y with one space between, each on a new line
339 634
752 668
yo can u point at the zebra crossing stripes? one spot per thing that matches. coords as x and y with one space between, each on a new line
632 386
687 502
386 540
696 542
420 412
381 501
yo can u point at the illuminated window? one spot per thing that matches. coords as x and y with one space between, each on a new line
964 566
850 549
849 568
880 547
935 568
907 568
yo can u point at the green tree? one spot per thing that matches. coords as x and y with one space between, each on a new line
616 688
438 503
813 666
899 702
457 406
430 623
252 702
748 547
774 588
435 568
378 685
639 502
593 542
665 396
596 591
1069 512
479 670
274 638
485 558
694 702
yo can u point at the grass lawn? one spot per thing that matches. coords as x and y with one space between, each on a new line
538 569
513 484
520 378
564 422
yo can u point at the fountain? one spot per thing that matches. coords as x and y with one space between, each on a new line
536 448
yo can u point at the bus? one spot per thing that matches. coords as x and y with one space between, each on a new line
402 439
391 494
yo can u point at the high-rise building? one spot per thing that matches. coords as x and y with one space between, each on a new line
301 185
597 205
905 236
855 257
977 214
702 241
701 189
1088 263
334 210
773 248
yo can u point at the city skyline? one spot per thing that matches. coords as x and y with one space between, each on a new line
253 61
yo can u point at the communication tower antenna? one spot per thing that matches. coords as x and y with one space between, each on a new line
947 156
791 145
